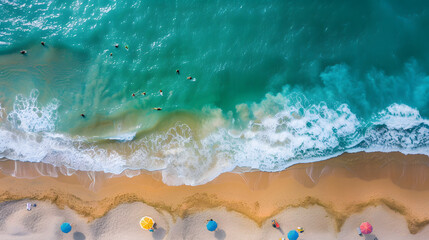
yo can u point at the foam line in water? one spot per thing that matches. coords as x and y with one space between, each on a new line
124 137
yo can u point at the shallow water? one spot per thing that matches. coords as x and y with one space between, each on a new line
273 83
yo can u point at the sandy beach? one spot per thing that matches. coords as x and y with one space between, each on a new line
328 198
309 114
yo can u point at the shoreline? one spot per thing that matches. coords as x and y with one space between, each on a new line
342 186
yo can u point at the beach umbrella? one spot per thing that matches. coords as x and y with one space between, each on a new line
146 222
293 235
66 227
211 225
366 228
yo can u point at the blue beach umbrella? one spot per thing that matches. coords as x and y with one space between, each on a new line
66 227
293 235
211 225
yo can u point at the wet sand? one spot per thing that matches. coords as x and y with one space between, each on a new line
343 188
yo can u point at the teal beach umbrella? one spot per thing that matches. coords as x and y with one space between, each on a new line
293 235
211 225
66 227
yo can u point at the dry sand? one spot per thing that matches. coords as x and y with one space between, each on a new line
329 199
42 222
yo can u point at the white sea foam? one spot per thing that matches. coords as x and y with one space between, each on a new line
29 116
400 116
295 132
123 137
278 132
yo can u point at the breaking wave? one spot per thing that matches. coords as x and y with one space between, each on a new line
270 136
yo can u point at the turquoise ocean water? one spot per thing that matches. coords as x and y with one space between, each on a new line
274 83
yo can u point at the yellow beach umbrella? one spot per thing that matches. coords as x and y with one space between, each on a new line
146 222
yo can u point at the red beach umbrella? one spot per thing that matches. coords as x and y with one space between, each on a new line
366 228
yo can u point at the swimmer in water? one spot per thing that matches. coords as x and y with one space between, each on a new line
126 47
116 45
111 54
144 93
189 78
82 115
43 43
133 94
177 71
160 92
158 109
23 52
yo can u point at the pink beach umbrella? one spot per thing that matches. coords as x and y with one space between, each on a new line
366 228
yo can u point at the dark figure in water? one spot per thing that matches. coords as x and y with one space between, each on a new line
189 78
177 71
43 43
23 52
116 45
158 109
82 115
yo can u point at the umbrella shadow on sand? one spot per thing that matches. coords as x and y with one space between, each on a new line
78 236
370 237
159 233
220 234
